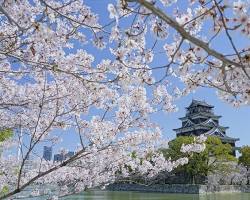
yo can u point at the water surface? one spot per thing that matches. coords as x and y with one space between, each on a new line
107 195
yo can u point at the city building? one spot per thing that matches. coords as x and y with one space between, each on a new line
61 157
69 154
200 119
47 153
58 157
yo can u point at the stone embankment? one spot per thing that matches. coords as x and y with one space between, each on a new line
179 188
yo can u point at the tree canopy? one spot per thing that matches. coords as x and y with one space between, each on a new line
244 159
215 157
5 134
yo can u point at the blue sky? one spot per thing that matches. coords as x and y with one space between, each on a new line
238 119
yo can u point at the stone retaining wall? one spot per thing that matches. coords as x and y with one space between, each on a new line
179 188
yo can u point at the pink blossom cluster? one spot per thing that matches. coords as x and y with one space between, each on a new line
51 80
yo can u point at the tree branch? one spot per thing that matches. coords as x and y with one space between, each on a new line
171 22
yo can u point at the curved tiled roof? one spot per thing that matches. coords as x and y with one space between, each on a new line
201 103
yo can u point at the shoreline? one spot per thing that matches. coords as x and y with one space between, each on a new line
179 188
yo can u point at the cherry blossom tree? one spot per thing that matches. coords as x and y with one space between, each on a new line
50 81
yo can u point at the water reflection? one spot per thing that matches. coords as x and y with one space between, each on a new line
105 195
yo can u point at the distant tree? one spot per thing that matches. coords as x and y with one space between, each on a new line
5 134
215 157
244 159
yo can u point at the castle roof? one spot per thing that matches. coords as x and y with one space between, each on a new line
200 119
198 127
200 115
195 103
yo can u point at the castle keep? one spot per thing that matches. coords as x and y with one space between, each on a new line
200 119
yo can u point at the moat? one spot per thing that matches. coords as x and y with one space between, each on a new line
107 195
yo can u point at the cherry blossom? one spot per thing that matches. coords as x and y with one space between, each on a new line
52 79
